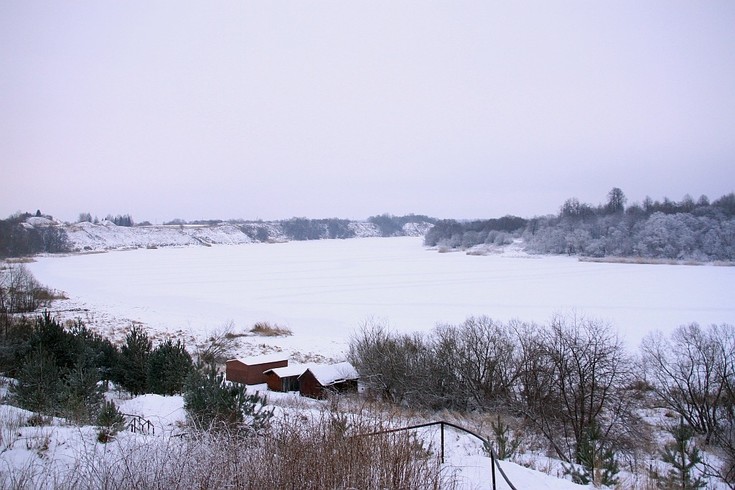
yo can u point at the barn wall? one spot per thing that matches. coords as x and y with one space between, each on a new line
235 371
250 375
274 382
285 384
309 386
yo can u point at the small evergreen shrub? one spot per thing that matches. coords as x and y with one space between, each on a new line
683 456
214 404
596 460
505 444
109 422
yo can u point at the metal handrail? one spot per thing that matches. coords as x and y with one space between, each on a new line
442 423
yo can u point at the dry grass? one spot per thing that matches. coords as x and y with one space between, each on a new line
307 452
653 261
48 295
20 260
267 329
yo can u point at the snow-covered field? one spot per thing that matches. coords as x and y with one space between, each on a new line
324 290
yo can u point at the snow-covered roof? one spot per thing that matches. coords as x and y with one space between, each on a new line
329 374
262 359
285 372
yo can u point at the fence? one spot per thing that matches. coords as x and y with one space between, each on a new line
136 423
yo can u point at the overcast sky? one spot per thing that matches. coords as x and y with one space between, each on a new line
275 109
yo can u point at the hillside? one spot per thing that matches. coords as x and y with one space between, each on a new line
29 234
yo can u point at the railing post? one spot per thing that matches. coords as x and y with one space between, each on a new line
492 466
441 426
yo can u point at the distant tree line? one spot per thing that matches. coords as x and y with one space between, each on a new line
316 229
121 219
456 234
698 230
390 225
17 239
300 228
689 229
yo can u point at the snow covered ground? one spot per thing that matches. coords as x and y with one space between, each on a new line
37 456
324 290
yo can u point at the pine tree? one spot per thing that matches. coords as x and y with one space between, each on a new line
597 462
168 367
132 371
683 456
109 421
80 397
506 445
38 384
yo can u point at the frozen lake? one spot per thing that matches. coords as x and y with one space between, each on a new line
323 290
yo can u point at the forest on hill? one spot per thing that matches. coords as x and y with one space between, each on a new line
686 230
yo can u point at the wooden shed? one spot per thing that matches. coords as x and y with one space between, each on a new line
319 381
249 370
284 378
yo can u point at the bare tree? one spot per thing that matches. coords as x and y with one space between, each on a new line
398 367
574 378
20 292
219 347
692 372
486 364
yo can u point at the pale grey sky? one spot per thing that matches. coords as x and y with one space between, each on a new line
455 109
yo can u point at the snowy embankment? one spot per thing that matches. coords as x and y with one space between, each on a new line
90 237
59 454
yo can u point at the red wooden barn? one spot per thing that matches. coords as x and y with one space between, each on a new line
249 370
319 381
284 378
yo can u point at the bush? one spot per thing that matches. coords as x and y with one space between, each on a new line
57 370
693 374
221 344
683 457
20 292
109 422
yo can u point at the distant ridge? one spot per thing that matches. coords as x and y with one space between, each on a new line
106 235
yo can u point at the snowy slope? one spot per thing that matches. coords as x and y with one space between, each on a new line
106 236
91 237
40 455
